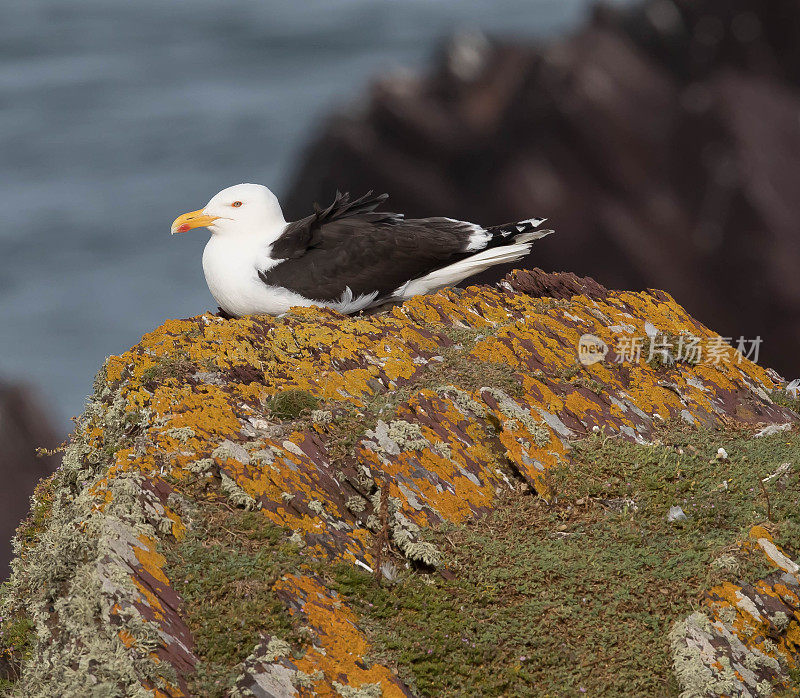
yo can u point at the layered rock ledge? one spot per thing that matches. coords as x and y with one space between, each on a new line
244 459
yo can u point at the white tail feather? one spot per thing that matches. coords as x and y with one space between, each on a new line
533 235
458 271
349 304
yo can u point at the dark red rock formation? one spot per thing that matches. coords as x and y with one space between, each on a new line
24 427
663 143
537 282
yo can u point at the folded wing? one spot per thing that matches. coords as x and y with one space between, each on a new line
350 248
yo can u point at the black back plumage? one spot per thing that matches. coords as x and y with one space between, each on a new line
350 244
301 235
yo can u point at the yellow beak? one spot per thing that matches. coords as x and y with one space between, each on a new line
193 219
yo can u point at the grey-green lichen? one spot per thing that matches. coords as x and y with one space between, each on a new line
396 436
321 416
182 434
275 649
727 614
230 450
366 690
726 563
462 400
183 507
755 660
297 540
695 677
202 465
405 534
765 689
236 495
74 577
356 504
539 432
780 620
443 449
263 655
265 456
305 680
407 435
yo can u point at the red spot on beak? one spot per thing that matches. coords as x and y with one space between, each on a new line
183 228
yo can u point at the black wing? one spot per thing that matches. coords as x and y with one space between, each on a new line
349 244
305 233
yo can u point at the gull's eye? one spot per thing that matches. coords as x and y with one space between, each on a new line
236 204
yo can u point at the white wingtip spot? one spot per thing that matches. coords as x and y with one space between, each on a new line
478 239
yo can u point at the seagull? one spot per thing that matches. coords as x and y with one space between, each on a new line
348 256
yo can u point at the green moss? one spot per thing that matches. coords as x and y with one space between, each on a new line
569 372
793 688
590 384
345 430
225 569
16 642
782 398
166 367
32 527
578 597
658 350
291 404
463 371
460 369
577 375
467 337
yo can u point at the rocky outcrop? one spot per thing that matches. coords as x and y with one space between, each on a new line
735 646
243 459
661 138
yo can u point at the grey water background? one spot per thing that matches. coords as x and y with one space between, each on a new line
116 117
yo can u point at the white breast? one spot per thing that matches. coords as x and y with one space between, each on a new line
231 266
231 270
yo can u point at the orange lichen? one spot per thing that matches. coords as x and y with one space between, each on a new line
757 532
340 647
150 559
127 639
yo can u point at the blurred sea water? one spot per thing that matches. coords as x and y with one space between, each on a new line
116 117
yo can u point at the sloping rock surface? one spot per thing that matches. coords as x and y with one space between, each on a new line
431 409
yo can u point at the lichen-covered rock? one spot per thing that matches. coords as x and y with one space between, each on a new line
432 409
748 635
